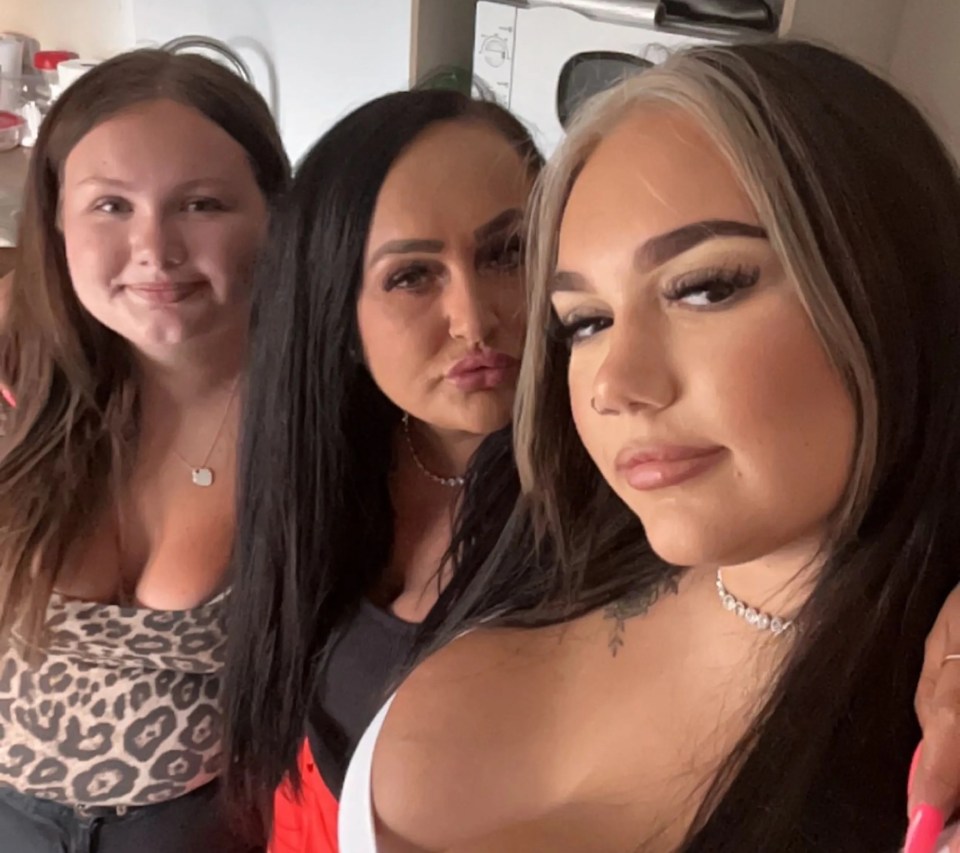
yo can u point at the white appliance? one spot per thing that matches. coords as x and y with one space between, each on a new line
543 58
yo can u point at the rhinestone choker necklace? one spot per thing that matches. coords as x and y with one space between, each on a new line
760 620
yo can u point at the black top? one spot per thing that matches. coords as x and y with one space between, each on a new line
362 669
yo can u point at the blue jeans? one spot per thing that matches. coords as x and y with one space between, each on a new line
193 823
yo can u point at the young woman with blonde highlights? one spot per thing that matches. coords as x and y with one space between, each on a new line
738 436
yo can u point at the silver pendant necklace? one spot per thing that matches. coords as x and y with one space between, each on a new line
202 474
760 620
450 482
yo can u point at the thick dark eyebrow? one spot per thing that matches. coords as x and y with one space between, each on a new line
567 281
658 250
500 223
407 247
507 220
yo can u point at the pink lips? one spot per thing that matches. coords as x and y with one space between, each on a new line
163 292
483 371
659 466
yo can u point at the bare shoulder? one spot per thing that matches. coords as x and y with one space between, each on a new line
470 744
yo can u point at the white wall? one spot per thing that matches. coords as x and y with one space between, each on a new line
323 56
318 58
926 62
15 15
93 28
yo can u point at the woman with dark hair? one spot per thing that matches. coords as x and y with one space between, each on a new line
122 348
739 437
389 323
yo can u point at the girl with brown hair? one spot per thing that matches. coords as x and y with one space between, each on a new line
123 346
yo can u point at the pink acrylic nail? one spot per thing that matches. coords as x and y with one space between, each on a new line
926 824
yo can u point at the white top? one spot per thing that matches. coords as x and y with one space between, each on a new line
355 828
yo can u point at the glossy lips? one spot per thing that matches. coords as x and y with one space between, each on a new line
651 467
483 371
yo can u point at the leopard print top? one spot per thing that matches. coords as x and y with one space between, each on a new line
122 710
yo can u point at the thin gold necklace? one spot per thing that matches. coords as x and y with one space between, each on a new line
450 482
202 475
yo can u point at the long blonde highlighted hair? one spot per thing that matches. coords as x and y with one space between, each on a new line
862 204
720 89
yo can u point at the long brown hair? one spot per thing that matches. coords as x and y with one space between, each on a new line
862 204
76 417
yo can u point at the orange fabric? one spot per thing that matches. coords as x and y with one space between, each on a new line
308 823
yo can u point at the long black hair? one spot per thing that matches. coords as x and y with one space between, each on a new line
862 203
315 521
